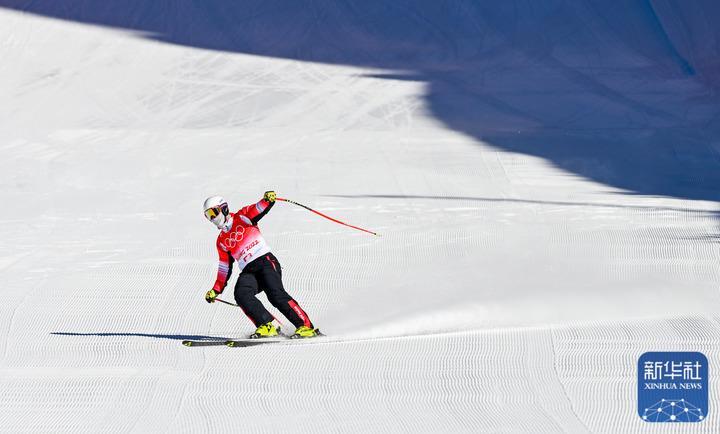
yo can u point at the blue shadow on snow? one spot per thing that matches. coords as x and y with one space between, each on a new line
624 93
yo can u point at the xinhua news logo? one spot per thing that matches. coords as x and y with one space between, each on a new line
673 387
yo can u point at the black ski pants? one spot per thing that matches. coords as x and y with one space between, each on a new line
265 274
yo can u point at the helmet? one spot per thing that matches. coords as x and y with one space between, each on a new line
216 210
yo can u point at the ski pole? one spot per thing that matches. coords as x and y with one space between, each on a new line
326 216
226 302
233 304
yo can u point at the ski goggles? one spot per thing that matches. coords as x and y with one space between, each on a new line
213 212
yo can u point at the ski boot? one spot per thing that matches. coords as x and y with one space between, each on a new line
267 330
305 332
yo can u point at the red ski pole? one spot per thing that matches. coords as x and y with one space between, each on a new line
326 216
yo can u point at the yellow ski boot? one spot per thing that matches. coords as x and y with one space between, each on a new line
265 331
305 332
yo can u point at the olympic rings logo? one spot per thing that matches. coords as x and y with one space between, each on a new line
234 238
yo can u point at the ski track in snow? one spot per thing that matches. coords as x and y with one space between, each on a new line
504 295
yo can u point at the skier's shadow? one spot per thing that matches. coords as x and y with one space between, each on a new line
145 335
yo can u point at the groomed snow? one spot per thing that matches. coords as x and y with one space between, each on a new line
524 264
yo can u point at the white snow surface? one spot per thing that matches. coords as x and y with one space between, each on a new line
510 291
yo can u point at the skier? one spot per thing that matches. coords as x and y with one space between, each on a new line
240 242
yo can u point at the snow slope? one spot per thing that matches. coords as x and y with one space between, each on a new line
547 202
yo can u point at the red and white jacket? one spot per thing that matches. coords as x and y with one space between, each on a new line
240 241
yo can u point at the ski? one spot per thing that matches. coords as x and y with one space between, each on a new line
233 342
190 343
244 343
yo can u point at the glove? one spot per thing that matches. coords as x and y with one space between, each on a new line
270 196
210 296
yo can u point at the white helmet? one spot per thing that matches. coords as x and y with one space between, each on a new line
216 210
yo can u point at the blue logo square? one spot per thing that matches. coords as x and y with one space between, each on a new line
673 387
